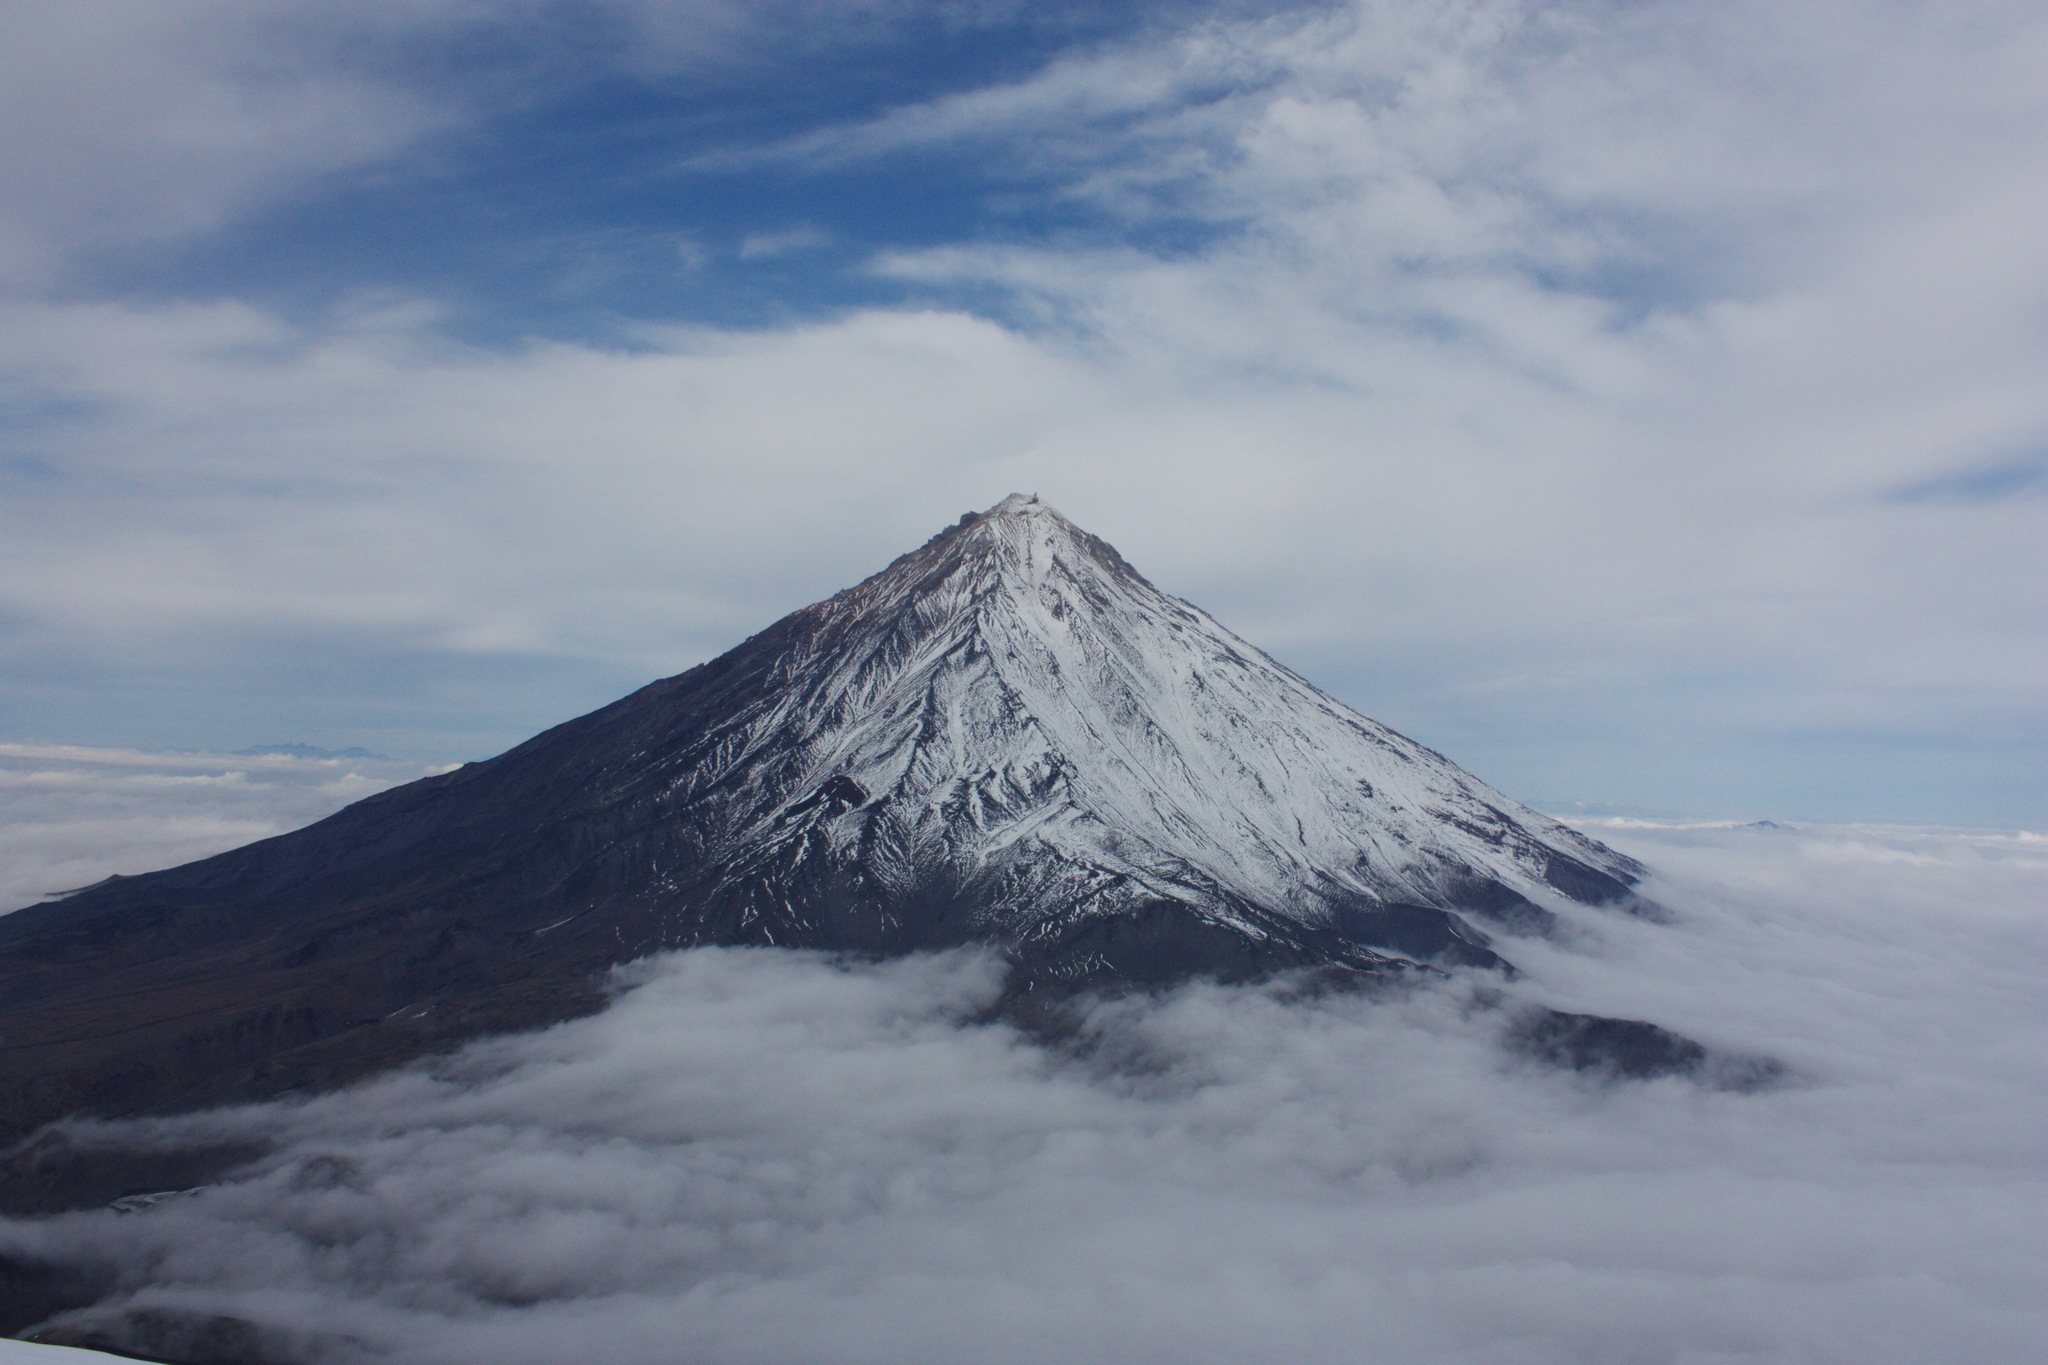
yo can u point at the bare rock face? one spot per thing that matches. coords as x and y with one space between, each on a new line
1007 736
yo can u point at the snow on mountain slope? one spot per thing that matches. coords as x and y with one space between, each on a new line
1015 694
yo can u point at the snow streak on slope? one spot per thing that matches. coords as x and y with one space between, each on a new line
1015 704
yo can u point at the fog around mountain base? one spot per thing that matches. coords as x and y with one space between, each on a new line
759 1156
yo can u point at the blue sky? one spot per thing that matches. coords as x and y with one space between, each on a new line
1639 402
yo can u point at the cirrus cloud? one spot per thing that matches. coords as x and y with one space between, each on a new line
1626 400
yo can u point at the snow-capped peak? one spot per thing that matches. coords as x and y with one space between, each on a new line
1006 737
1013 704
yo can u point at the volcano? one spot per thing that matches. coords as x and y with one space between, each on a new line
1007 736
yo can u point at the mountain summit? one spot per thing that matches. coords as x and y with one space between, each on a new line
1006 736
1013 729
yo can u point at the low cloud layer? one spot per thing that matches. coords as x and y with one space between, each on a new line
766 1157
71 816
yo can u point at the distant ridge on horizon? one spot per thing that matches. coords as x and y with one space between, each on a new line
306 751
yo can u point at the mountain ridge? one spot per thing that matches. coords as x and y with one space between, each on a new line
1005 736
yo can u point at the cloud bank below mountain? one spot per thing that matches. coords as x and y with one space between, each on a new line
757 1156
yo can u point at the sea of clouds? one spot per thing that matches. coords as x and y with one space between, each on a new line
71 816
770 1157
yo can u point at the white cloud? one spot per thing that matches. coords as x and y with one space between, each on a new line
71 816
561 498
789 241
757 1156
135 122
127 123
1551 371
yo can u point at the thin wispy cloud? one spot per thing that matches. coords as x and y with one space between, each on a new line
1623 399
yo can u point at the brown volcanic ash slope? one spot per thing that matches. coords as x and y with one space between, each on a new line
1007 736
